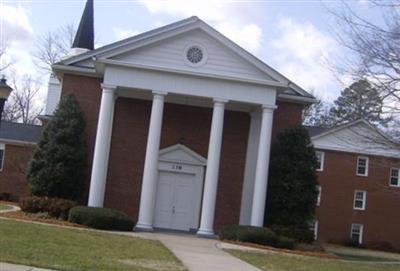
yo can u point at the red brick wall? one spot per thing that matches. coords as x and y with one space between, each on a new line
87 91
335 214
286 116
13 176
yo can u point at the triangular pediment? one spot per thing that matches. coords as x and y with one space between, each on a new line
181 154
163 49
170 54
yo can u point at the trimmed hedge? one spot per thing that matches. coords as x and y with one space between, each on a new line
55 207
255 235
101 218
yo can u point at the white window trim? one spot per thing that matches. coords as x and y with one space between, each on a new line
364 200
366 165
321 168
319 188
360 238
398 177
2 147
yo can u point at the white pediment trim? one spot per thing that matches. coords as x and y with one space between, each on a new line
181 154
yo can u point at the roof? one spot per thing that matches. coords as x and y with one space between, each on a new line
84 37
289 90
315 130
26 133
358 136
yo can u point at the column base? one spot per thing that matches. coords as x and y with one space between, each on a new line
143 228
206 233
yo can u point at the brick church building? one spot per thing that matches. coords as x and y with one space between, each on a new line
179 124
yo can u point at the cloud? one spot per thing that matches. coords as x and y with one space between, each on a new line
301 54
15 25
122 33
228 18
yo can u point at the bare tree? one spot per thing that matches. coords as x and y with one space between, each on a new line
374 48
53 46
22 105
4 62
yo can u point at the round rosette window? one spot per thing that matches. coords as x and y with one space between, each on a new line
195 55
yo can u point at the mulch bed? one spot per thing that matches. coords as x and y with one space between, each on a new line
320 254
32 217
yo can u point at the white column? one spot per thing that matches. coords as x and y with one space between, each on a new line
250 168
150 172
213 159
102 147
261 179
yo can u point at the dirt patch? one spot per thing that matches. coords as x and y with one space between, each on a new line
33 217
154 264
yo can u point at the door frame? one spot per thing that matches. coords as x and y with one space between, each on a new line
180 159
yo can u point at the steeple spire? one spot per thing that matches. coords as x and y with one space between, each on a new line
84 38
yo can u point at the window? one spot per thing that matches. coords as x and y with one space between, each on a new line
320 160
394 177
314 228
362 166
319 189
2 147
357 232
360 198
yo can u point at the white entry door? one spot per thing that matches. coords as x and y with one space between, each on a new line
175 202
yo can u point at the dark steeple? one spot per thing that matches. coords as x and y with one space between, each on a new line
85 35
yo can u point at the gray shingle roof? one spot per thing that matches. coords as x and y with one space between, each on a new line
315 130
19 131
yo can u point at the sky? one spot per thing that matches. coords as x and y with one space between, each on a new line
295 37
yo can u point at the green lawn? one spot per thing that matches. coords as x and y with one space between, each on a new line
275 261
70 249
5 207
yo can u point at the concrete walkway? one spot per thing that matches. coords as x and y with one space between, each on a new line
199 254
15 267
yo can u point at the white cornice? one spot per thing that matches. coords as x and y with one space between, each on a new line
187 72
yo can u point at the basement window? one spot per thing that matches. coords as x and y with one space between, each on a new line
356 232
394 177
362 166
360 198
320 160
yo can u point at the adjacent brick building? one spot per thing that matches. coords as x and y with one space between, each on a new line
17 142
359 180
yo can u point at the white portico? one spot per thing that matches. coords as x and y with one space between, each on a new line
192 64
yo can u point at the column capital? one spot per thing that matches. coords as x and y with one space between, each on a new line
268 108
108 88
159 93
220 101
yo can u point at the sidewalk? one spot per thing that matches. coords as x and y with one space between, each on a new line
199 254
15 267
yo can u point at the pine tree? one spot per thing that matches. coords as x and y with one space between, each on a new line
360 100
292 183
57 167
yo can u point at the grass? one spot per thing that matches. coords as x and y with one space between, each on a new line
354 254
69 249
5 207
276 261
